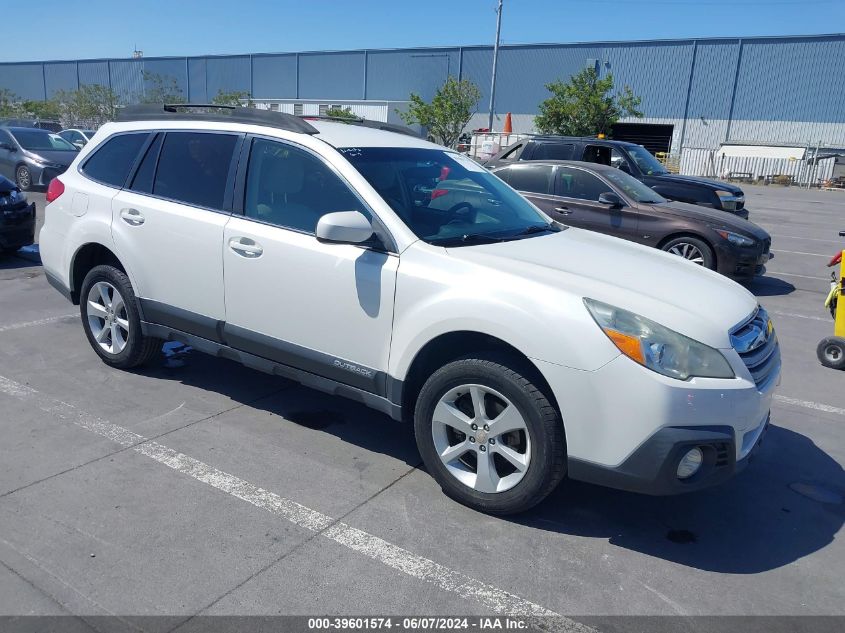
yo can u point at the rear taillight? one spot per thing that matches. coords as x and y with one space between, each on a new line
56 188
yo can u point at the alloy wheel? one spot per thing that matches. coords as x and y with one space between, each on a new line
688 251
107 317
24 179
481 438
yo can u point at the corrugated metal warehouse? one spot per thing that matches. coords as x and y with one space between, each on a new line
707 92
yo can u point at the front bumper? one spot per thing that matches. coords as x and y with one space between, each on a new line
652 468
17 227
742 263
41 176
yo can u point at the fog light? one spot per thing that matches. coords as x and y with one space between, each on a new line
690 463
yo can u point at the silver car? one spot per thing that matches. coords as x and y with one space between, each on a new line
32 157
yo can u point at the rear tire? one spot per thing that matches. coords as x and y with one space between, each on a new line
112 321
831 352
692 249
486 469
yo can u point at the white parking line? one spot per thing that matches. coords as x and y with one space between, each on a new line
492 598
800 316
803 253
810 405
778 272
17 326
811 239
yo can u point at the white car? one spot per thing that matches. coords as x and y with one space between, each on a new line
78 138
523 351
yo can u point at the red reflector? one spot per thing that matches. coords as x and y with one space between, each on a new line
438 192
835 259
444 173
56 188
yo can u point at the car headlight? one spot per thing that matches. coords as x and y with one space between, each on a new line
736 238
656 347
729 201
46 163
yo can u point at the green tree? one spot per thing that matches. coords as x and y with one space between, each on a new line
161 89
342 113
90 106
450 110
234 98
585 106
46 110
9 103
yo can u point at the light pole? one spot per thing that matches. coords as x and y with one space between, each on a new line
495 59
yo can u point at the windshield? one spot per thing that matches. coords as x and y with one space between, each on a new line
35 140
88 134
632 187
446 198
647 163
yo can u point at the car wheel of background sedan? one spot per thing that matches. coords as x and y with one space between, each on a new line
489 436
111 319
692 249
23 178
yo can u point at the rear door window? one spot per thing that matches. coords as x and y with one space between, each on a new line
531 178
597 154
111 162
580 184
143 180
552 151
194 168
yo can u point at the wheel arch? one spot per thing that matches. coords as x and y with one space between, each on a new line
84 259
449 346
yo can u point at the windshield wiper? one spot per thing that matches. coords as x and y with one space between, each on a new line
535 228
466 240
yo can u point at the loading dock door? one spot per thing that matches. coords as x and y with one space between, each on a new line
655 138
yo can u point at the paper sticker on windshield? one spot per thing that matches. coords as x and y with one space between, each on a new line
466 163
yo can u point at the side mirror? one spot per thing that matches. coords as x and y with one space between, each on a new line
611 200
79 144
344 227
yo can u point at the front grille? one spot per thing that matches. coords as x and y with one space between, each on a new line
757 346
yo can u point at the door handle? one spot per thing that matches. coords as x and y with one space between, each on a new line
563 210
245 247
132 217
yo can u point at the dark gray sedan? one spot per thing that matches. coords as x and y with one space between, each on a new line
32 157
605 199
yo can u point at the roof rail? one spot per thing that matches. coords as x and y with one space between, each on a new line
377 125
215 112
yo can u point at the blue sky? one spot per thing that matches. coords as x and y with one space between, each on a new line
71 29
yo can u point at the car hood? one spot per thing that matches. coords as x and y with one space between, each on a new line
716 218
678 294
64 158
693 180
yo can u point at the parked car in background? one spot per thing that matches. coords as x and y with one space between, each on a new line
331 254
33 157
41 124
17 218
77 137
633 159
604 199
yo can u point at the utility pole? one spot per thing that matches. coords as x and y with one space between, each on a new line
495 59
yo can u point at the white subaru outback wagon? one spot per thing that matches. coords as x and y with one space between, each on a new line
374 265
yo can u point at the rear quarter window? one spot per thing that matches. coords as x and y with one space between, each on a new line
110 163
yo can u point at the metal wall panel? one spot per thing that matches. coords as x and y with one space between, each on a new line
396 74
60 76
94 73
165 71
792 80
227 74
274 76
127 79
197 80
657 72
713 79
331 75
23 80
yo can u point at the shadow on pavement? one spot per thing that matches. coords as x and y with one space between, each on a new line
16 262
748 525
770 287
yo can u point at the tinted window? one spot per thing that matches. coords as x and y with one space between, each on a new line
511 154
444 197
194 168
597 154
112 161
290 187
532 178
36 140
143 180
552 151
577 183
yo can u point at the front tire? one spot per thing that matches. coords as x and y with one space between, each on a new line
112 321
489 436
831 352
692 249
23 178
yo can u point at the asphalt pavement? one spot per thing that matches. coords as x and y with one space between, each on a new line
198 486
